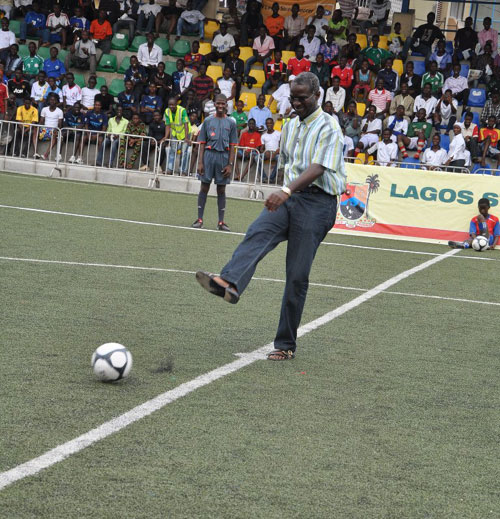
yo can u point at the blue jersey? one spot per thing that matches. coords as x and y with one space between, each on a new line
74 121
127 100
153 102
54 68
96 121
56 91
81 23
36 20
492 223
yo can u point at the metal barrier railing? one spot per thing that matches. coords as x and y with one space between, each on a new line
244 159
417 165
486 171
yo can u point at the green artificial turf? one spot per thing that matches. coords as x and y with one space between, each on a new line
389 411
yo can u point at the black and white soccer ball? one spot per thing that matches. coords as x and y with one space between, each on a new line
480 243
111 361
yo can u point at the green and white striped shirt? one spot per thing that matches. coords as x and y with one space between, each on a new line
317 139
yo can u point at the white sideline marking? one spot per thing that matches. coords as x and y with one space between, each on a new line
65 450
171 226
274 280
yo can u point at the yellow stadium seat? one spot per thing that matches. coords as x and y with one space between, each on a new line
361 109
383 43
245 53
361 157
278 125
205 48
214 71
274 105
249 100
361 40
259 76
397 66
286 55
211 27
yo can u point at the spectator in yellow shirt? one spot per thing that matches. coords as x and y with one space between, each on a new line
27 114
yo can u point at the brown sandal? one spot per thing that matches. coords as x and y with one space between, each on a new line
279 355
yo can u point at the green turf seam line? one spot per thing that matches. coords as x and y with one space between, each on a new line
63 451
181 227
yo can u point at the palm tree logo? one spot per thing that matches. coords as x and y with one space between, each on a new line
373 186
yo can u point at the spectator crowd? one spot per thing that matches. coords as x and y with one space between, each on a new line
441 110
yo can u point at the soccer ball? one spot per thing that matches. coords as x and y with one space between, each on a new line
111 361
480 243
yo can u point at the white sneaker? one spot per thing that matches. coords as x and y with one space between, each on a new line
79 160
143 168
59 158
72 159
37 156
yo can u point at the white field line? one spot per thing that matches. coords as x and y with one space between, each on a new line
65 450
171 226
274 280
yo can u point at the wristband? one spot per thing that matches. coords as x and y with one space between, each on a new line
287 190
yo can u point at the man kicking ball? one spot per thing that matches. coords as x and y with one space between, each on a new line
302 212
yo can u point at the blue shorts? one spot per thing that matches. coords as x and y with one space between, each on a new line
214 162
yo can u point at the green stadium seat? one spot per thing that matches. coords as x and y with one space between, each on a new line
62 54
100 82
116 87
44 52
180 48
107 63
119 41
138 40
23 51
164 45
124 65
79 79
15 27
170 67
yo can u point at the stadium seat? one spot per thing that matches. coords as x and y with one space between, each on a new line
419 67
274 105
449 47
410 163
464 70
119 41
361 109
124 65
477 97
361 157
138 40
249 100
62 54
116 87
278 125
15 27
164 45
247 52
23 51
260 76
170 67
419 54
43 52
214 71
180 48
481 170
398 67
286 55
79 79
475 118
383 43
205 48
445 141
211 27
361 40
100 82
107 63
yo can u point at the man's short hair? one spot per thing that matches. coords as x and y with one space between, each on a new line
309 79
484 201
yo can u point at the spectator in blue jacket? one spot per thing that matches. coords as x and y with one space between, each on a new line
54 67
34 25
389 76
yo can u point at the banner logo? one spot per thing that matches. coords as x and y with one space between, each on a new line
354 203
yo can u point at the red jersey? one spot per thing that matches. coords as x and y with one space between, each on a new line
493 133
346 75
275 68
492 222
295 66
250 140
4 94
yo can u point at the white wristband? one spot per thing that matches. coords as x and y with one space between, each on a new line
287 190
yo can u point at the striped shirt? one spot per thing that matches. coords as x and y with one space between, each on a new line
317 139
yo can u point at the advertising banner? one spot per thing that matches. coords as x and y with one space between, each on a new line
307 8
410 203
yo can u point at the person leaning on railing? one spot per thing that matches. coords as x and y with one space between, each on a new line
157 131
27 114
117 126
51 119
177 129
135 130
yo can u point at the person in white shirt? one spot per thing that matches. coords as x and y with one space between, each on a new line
457 156
435 156
39 91
71 92
425 100
222 45
57 23
446 112
227 86
51 117
387 150
336 95
320 23
147 17
191 21
311 43
348 149
458 84
282 98
270 150
149 54
397 123
371 128
88 94
7 38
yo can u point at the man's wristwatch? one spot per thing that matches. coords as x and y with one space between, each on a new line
287 190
